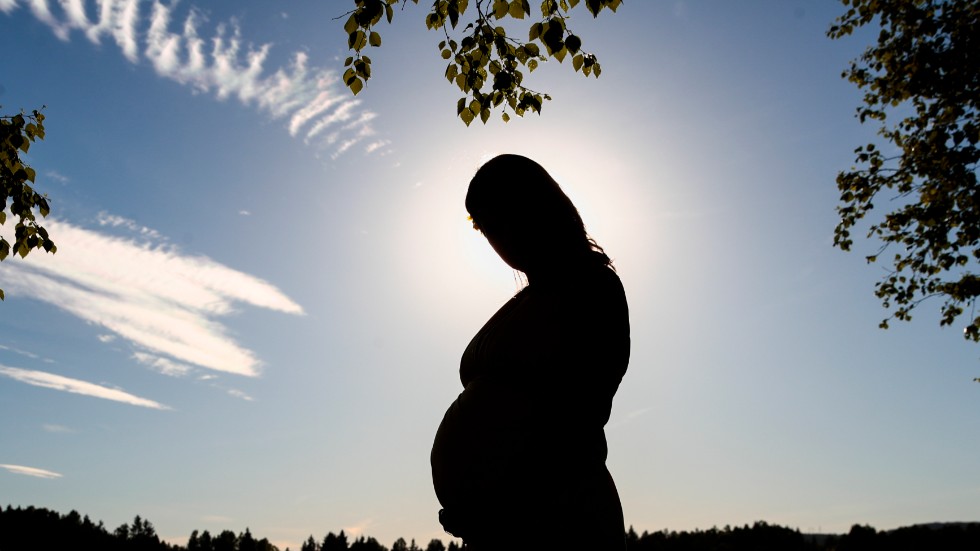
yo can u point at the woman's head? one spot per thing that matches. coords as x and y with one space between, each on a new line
526 216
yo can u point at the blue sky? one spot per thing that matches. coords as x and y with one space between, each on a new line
263 284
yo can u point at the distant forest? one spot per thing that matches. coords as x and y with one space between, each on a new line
30 528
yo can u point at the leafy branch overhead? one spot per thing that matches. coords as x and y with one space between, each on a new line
17 133
485 62
924 71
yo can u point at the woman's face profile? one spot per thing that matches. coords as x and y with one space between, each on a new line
523 214
513 239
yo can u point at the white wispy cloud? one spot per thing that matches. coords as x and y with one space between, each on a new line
342 113
376 145
239 394
30 355
75 386
26 354
20 469
55 175
50 427
309 98
163 365
164 302
358 529
115 221
630 417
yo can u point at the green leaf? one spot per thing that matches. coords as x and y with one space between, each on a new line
485 55
453 13
573 43
534 32
360 40
594 6
500 8
552 35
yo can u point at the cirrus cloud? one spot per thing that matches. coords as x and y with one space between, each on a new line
164 302
308 98
29 471
44 379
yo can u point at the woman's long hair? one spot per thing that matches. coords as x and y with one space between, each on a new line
512 188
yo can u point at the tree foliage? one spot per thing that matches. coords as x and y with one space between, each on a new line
485 62
38 528
921 84
17 133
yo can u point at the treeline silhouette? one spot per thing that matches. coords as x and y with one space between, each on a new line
38 528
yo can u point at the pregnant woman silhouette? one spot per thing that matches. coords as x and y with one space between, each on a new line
519 461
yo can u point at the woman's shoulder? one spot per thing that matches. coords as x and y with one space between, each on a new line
595 286
606 275
604 285
599 278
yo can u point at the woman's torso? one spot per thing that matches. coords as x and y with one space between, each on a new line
524 441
